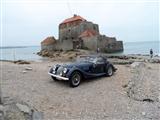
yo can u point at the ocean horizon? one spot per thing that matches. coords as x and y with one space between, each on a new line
30 52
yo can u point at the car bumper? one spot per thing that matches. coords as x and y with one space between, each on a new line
58 76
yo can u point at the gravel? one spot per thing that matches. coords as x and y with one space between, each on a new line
97 99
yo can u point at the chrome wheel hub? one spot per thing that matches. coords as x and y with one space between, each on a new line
110 71
76 79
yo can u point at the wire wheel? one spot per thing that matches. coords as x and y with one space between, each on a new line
75 79
110 71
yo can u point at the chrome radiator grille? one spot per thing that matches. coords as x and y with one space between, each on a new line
60 69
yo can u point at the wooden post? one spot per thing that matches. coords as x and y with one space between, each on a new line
1 96
14 55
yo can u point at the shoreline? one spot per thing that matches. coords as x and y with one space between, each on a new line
115 59
92 53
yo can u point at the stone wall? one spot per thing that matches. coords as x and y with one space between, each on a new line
104 43
47 47
72 32
109 44
55 46
114 47
119 46
90 43
67 45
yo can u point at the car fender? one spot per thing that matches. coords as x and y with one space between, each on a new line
73 69
108 65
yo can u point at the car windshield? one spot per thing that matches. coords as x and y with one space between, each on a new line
91 59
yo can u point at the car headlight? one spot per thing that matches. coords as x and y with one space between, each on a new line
60 73
65 70
54 68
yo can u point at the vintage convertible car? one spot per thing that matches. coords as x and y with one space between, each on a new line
85 67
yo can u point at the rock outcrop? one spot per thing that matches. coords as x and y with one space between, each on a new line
143 85
62 55
12 109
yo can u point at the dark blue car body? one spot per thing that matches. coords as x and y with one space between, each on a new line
86 69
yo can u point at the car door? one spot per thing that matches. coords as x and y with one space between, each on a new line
99 65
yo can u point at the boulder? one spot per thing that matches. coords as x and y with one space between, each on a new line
23 108
18 110
154 60
143 113
1 108
28 68
21 62
137 64
37 115
24 71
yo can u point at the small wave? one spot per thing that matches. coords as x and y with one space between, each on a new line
12 47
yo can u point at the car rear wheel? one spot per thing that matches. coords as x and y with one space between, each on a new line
110 71
54 78
75 79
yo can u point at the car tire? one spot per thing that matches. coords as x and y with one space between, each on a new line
55 79
75 79
109 71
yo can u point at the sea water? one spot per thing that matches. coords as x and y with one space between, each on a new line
20 53
30 52
142 47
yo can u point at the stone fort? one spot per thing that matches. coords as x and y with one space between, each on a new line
78 33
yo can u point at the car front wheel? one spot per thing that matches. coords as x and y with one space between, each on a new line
110 71
75 79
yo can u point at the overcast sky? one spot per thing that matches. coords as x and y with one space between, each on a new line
28 22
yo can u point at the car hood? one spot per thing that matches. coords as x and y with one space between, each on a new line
78 64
